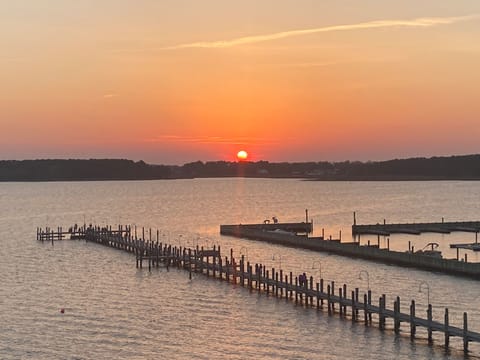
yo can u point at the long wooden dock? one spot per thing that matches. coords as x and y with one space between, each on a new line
415 228
274 282
355 250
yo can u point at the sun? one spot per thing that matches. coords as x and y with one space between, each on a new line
242 155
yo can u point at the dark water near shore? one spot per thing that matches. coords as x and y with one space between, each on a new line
113 310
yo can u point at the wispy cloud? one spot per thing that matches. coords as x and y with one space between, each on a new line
109 96
419 22
211 140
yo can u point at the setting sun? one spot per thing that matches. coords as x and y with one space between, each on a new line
242 155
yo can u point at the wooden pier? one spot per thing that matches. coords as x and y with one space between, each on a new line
354 249
275 282
415 228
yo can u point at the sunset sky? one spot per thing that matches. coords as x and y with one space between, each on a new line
177 81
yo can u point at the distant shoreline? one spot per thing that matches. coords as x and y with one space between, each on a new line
453 168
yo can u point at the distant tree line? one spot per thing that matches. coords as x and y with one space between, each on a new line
435 168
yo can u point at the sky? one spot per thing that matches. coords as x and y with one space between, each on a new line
171 82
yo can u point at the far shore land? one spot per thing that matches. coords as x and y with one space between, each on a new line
465 167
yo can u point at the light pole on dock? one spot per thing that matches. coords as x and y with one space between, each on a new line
244 251
318 262
367 276
279 258
420 287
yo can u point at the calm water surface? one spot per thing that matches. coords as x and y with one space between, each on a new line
114 311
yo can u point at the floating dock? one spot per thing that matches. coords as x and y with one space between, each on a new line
354 249
274 282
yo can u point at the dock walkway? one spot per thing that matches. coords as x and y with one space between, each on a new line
355 250
259 278
415 228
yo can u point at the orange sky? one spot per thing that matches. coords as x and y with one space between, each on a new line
199 80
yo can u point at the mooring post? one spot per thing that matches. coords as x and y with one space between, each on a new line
345 299
465 333
281 280
266 286
321 292
190 263
242 270
340 307
429 319
318 296
208 266
365 311
220 267
296 290
250 276
276 283
328 300
291 284
447 335
353 306
397 315
369 292
356 299
332 289
413 327
227 269
259 278
381 314
311 290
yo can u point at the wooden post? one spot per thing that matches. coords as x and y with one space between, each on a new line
396 310
354 305
189 263
296 289
365 311
220 267
465 333
447 335
291 283
369 294
242 270
356 299
413 327
328 300
429 319
340 301
281 279
345 298
332 289
259 278
267 277
250 276
381 313
276 283
208 265
318 296
311 290
321 292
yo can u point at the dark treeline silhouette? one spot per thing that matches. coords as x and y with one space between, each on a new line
465 167
67 170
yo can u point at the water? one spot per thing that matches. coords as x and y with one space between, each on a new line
113 310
